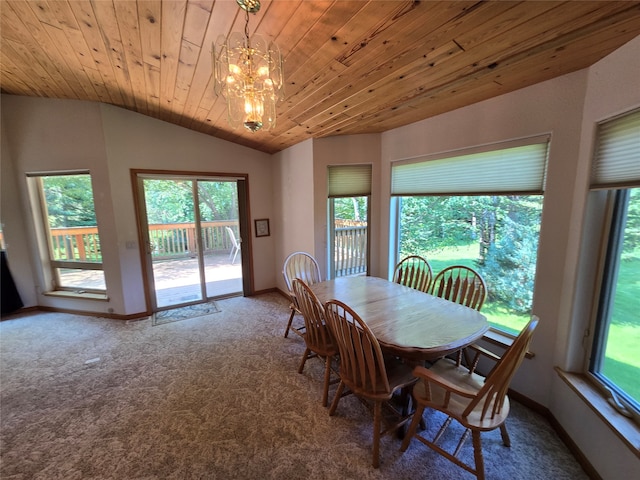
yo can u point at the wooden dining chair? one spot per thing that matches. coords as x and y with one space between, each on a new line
317 336
303 266
479 404
366 372
463 285
460 284
414 271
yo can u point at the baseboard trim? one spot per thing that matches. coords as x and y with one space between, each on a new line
266 290
17 313
113 316
562 433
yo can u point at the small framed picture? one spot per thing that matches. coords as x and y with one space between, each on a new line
262 227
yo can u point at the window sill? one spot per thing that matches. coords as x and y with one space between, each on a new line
502 339
78 295
622 426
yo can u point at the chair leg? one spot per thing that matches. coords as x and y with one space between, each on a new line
477 454
417 419
327 378
286 332
377 420
336 399
505 435
307 351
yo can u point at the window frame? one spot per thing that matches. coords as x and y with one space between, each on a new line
535 163
614 170
606 274
51 265
347 181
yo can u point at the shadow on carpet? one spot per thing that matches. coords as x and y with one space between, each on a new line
184 313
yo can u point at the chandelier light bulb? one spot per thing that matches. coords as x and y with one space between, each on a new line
247 72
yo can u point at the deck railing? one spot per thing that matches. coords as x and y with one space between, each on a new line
350 249
178 240
167 240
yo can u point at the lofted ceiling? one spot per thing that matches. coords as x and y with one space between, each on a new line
350 66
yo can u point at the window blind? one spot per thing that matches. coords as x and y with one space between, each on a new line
514 169
617 154
349 180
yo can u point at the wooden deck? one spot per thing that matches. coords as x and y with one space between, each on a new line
177 280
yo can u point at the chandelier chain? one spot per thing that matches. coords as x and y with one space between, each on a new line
246 28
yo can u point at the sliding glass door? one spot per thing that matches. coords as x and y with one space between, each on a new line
191 228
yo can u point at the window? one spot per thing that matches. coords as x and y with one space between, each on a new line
69 231
615 359
349 191
481 209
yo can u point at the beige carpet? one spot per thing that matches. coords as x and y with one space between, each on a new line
213 397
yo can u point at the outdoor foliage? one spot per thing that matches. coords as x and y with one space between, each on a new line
632 230
351 208
171 201
69 201
504 228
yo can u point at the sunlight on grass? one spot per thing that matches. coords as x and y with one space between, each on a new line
622 361
622 358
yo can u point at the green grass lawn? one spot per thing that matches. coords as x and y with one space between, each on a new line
622 358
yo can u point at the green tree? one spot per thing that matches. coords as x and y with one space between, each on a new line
350 208
632 229
69 200
505 228
171 201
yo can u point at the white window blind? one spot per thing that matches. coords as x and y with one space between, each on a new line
617 155
349 180
514 169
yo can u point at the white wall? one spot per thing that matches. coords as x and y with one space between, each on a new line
45 135
134 141
344 150
48 135
293 187
14 226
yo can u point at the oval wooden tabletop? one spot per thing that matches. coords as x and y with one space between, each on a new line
406 322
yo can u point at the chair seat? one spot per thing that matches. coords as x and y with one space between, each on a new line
462 379
399 375
327 349
479 404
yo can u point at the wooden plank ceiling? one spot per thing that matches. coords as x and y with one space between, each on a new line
350 66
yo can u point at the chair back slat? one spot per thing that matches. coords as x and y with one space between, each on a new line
414 272
494 391
460 284
317 335
362 365
303 266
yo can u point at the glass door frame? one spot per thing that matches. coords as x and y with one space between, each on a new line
138 177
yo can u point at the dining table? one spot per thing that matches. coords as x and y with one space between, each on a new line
406 322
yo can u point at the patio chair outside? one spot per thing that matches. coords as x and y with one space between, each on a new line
235 246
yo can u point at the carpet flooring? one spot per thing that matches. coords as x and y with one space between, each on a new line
184 313
215 397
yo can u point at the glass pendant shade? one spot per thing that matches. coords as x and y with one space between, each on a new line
248 75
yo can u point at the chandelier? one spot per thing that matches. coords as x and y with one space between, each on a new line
247 73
